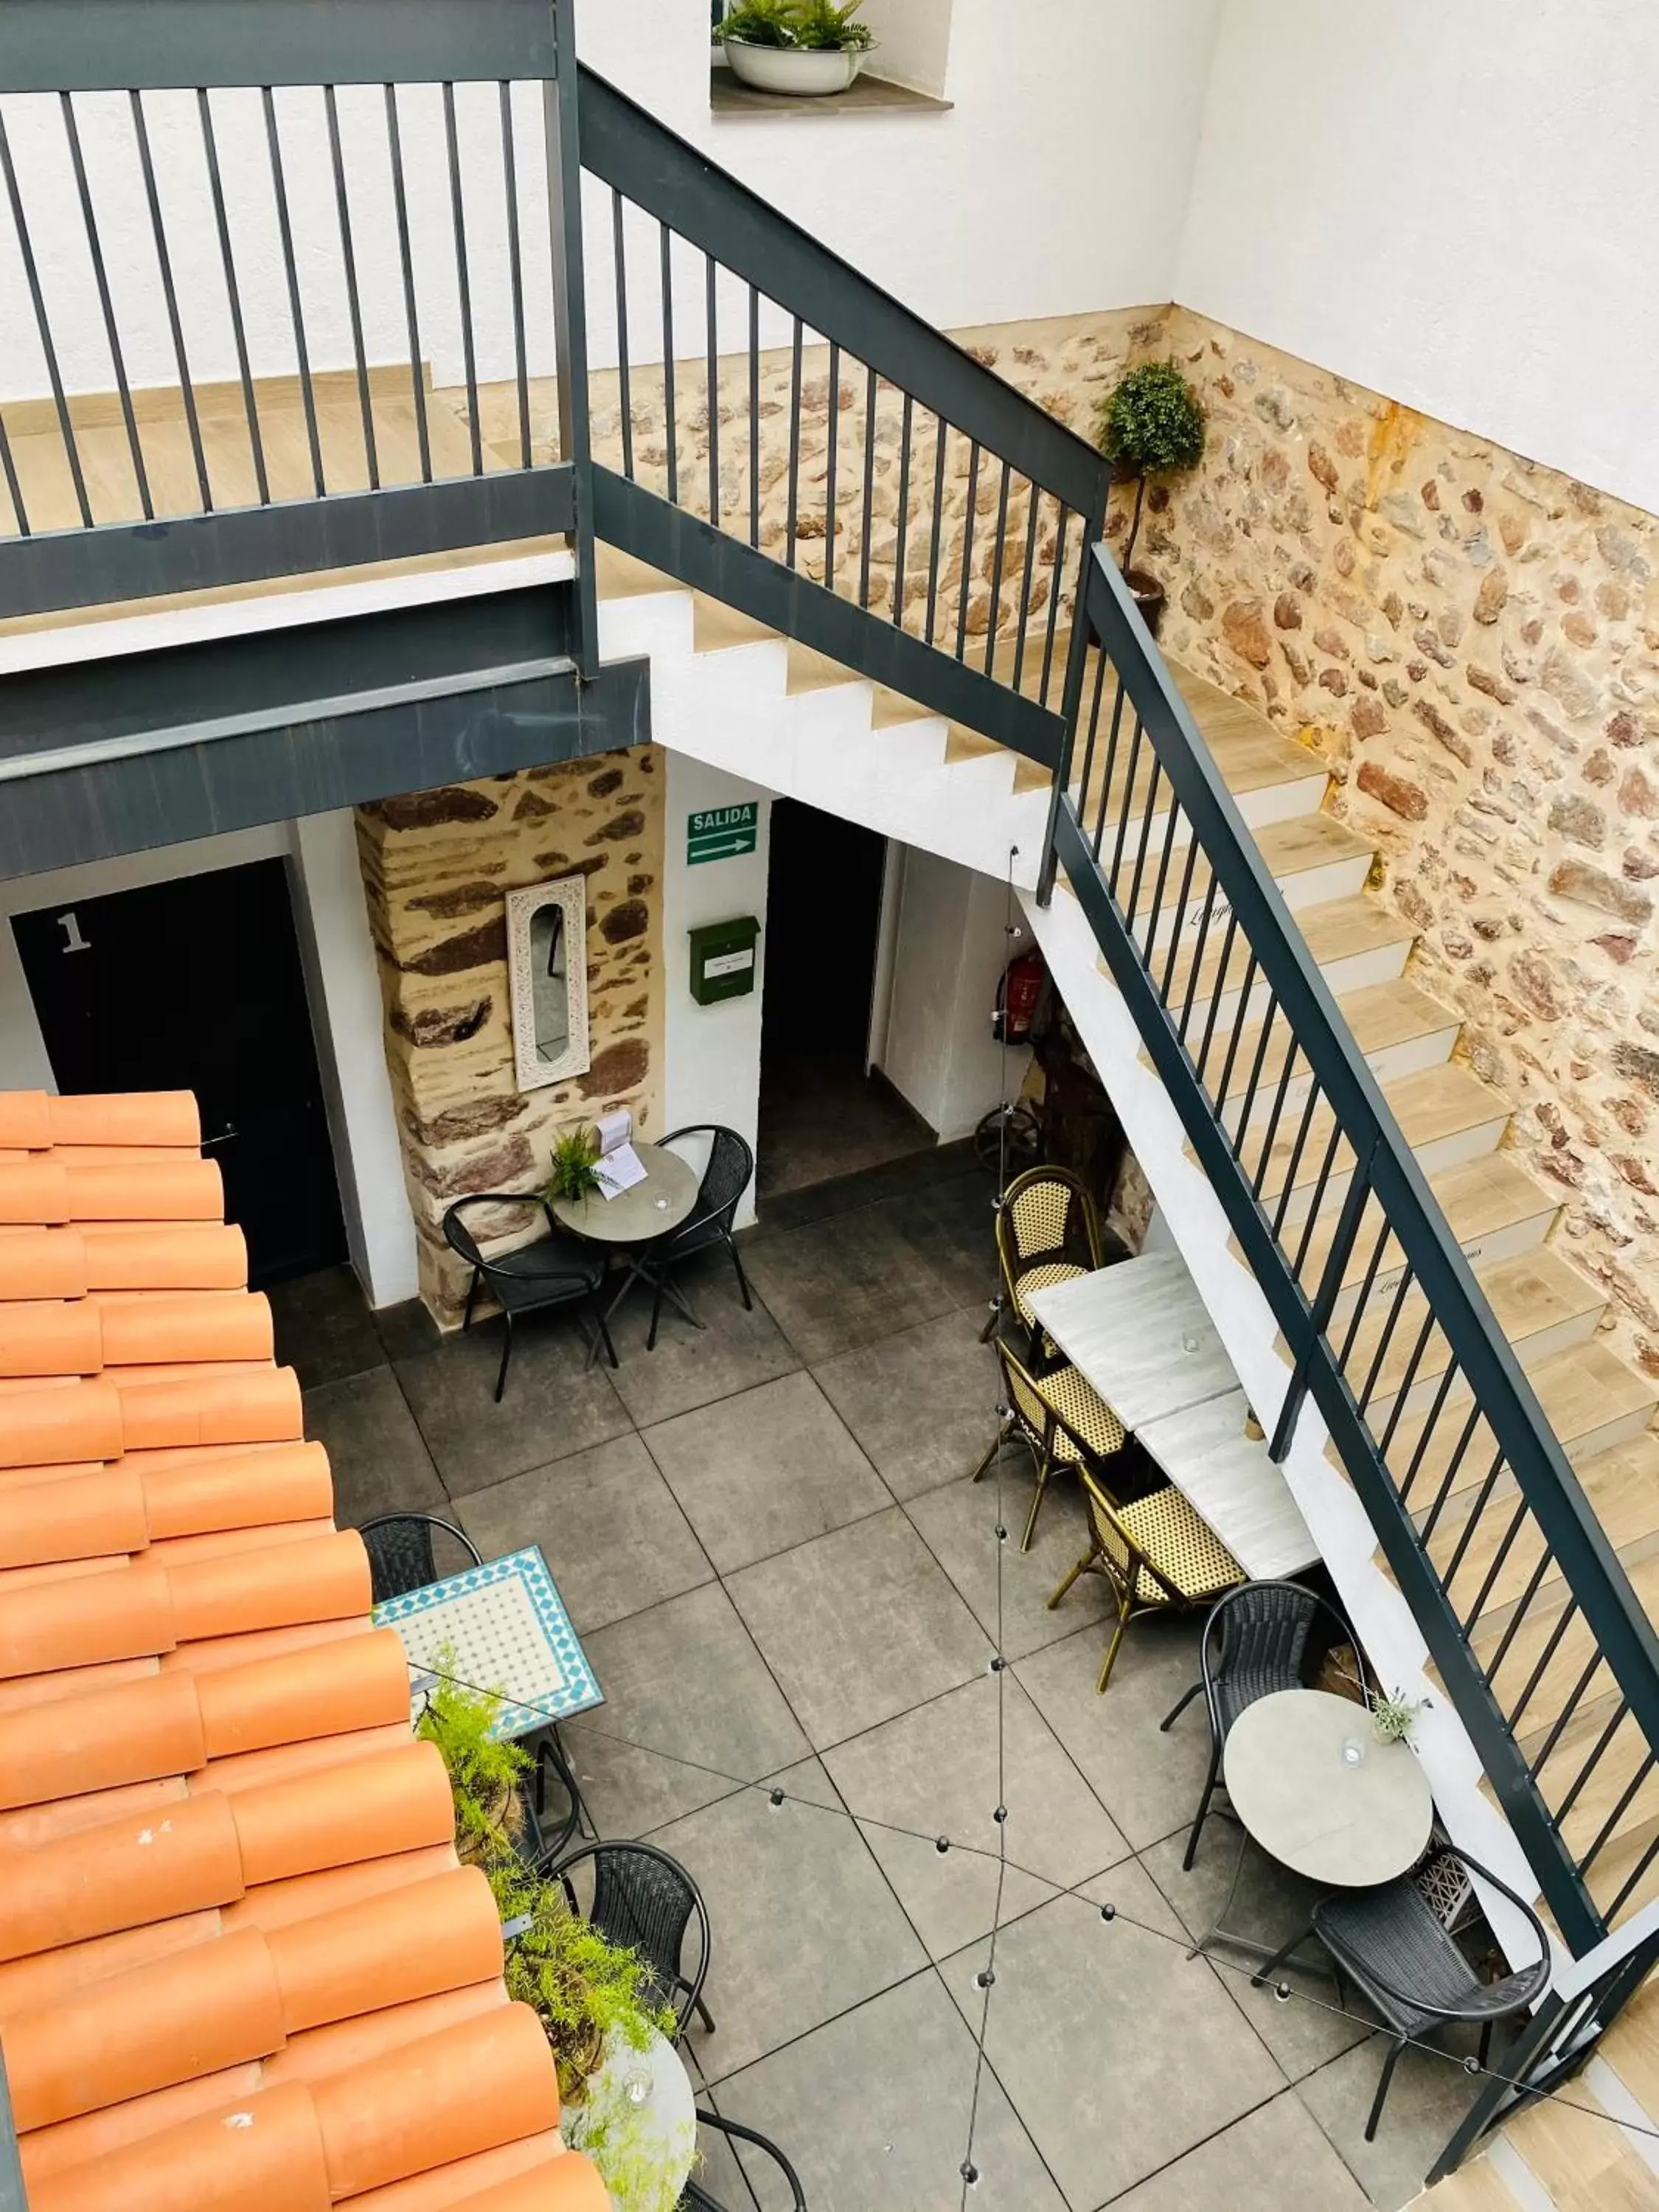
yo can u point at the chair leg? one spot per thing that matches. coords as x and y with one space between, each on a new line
605 1333
656 1314
1044 1465
1265 1973
1178 1708
472 1294
1110 1659
704 2015
991 1319
1202 1813
1004 1430
506 1354
1485 2041
1388 2065
1069 1579
743 1280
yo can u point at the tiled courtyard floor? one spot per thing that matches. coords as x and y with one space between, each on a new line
766 1540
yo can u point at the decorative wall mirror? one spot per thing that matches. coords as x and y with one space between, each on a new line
547 971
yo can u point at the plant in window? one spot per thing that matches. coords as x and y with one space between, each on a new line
795 47
484 1770
574 1169
1151 423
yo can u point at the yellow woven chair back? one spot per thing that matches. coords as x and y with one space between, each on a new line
1050 1214
1030 1410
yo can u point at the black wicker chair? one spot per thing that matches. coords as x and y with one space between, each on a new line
402 1556
724 1179
1256 1640
698 2199
1393 1943
646 1900
553 1271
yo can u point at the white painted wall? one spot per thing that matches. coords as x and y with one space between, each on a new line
1452 204
913 41
950 948
342 989
711 1069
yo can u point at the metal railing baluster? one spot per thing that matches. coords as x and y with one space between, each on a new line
463 277
106 305
966 592
993 619
793 518
832 401
353 299
754 416
712 386
865 531
290 271
175 327
906 424
43 327
233 294
671 425
411 310
624 374
515 284
941 435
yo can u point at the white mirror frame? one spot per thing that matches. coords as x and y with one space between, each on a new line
569 893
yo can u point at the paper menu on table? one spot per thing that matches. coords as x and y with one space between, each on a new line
614 1129
619 1170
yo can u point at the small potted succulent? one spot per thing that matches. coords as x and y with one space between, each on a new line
574 1169
794 46
1150 422
1393 1718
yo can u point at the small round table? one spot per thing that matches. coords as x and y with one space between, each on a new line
1310 1783
637 1217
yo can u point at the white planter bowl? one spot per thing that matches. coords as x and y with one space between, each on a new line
800 72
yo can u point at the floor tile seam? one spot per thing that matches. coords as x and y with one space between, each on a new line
758 1233
1237 2120
724 1397
767 1559
1013 1669
830 1406
1006 2090
352 1375
1299 2090
715 2082
431 1457
1014 1666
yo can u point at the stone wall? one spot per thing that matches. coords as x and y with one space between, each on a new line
1471 643
436 866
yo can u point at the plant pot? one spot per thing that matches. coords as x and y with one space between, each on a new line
799 71
1148 596
505 1815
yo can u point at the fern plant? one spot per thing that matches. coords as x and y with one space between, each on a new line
1150 423
484 1770
574 1169
811 25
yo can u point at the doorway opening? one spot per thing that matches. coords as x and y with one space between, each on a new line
196 985
823 1112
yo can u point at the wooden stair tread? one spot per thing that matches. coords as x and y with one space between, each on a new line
618 576
716 627
1478 1197
1337 929
1299 845
1254 762
1631 2047
1579 2157
1536 1292
1378 1015
811 671
1582 1391
1567 1661
1434 1103
891 708
1477 2187
1622 1487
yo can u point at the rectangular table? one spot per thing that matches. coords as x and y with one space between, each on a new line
1140 1332
507 1631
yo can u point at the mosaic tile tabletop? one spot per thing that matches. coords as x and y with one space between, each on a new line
507 1629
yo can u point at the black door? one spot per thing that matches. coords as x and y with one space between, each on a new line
195 985
822 915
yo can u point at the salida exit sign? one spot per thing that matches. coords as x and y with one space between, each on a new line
722 833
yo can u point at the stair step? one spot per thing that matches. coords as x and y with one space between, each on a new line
1399 1028
1579 2157
1493 1207
811 671
1477 2187
1541 1303
891 708
1591 1398
1353 941
1568 1654
716 627
1623 1787
1447 1116
618 576
1313 858
1622 1487
1631 2047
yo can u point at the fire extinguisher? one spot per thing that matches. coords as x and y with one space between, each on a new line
1018 993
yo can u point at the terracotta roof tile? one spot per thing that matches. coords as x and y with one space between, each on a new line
240 1969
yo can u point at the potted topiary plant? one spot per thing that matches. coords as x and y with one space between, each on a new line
574 1169
1150 422
795 47
484 1770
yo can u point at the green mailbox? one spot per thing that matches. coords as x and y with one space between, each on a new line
723 959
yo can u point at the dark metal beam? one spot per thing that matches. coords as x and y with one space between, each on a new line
97 45
707 560
141 560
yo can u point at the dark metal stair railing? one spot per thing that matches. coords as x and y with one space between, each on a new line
1470 1494
931 543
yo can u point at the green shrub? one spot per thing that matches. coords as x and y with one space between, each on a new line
815 24
484 1770
572 1170
1150 423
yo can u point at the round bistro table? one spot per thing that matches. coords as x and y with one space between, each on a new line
1310 1783
635 1219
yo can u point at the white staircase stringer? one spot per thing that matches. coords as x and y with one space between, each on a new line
1238 1307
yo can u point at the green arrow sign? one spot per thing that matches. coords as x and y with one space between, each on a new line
722 833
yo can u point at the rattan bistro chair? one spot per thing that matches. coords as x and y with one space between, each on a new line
1157 1554
1258 1639
724 1179
1047 1233
645 1900
401 1554
697 2197
1061 1420
553 1271
1394 1943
